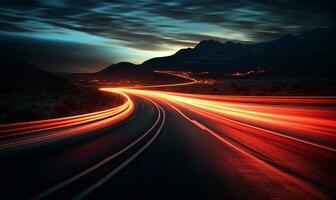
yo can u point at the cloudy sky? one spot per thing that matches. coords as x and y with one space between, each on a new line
87 35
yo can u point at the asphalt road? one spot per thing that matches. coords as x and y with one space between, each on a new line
175 146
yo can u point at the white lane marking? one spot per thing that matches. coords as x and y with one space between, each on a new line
305 185
87 171
100 182
279 134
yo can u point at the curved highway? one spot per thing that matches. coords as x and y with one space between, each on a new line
164 145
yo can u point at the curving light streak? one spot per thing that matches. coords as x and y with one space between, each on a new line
23 133
91 169
191 81
308 124
292 138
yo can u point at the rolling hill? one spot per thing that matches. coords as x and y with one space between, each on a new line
29 93
17 76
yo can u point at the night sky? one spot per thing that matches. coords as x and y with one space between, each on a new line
74 36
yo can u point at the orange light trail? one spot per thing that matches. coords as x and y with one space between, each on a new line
296 121
42 130
293 138
191 81
286 141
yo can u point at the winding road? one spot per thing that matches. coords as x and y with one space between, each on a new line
165 145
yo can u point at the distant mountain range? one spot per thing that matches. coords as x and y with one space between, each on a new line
309 54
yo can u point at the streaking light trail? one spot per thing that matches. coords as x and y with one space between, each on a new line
281 147
24 133
292 138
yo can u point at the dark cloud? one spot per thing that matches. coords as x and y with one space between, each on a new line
115 19
153 25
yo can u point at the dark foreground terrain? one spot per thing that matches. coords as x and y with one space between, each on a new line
29 93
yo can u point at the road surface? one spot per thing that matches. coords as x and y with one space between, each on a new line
161 145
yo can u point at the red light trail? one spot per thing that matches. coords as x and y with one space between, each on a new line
281 147
43 130
289 137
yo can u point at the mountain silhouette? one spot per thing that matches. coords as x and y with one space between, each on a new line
311 53
122 66
125 72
